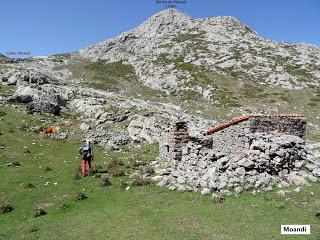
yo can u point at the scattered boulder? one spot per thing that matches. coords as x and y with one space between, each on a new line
205 191
12 80
157 178
84 127
238 189
144 129
316 172
60 136
246 163
46 104
23 77
110 139
25 94
162 183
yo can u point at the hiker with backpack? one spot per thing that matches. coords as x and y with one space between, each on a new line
86 151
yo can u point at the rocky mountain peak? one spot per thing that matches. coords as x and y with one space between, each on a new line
172 52
167 21
170 13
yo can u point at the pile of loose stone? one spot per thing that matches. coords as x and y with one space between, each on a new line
272 160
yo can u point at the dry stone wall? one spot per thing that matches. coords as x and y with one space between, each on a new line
231 140
233 137
248 152
287 124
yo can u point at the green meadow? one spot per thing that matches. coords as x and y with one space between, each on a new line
37 172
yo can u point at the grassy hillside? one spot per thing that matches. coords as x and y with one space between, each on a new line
232 96
146 212
101 75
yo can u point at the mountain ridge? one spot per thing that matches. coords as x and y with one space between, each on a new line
219 44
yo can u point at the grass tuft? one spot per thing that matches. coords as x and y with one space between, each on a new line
105 180
64 206
149 170
116 168
140 181
80 195
30 185
16 163
33 229
136 161
39 211
6 207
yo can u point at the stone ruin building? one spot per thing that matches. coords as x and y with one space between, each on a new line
231 137
252 151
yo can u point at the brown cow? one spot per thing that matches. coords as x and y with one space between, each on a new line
52 130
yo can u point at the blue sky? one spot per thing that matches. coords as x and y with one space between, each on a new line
46 27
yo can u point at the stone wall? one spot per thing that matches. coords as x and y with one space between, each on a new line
232 137
271 160
231 140
287 124
249 152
